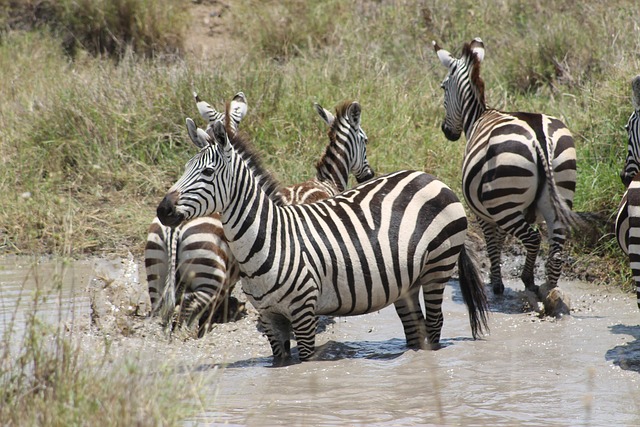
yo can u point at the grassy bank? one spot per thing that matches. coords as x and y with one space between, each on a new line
89 144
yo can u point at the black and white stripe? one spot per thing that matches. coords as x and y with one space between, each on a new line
377 244
345 153
518 168
191 266
204 271
628 218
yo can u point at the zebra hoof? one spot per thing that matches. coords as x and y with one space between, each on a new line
498 288
556 302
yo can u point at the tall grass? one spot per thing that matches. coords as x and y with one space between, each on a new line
104 140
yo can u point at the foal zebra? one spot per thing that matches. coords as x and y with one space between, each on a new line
377 244
518 168
192 262
628 219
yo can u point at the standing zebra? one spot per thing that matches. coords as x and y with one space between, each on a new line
193 260
207 266
518 168
628 219
376 244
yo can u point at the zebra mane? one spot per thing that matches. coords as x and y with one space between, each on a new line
477 81
341 111
250 156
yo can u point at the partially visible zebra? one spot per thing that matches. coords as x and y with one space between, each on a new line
628 219
207 271
192 262
377 244
344 154
518 168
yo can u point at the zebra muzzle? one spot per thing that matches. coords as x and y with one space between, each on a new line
166 211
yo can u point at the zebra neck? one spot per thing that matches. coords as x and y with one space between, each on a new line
474 109
332 168
250 221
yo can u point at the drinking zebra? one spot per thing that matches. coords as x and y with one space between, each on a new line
628 219
377 244
191 262
206 265
518 168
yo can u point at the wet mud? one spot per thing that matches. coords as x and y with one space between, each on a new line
582 369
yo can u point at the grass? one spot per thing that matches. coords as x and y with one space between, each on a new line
50 376
92 128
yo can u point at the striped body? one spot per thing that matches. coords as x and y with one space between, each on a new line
518 169
205 269
628 218
191 266
341 256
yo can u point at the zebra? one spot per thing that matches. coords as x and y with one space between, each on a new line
341 156
374 245
202 250
518 169
627 224
193 259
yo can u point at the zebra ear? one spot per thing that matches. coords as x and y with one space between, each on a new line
207 112
200 139
353 112
324 114
635 92
443 54
239 106
477 47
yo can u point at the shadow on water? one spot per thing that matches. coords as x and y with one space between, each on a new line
626 356
510 302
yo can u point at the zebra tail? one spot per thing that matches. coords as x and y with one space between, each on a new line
168 302
563 211
473 293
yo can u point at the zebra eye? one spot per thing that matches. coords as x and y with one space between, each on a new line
207 172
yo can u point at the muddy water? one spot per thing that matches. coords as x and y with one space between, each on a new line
580 370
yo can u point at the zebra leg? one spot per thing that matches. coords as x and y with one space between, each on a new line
433 310
304 328
530 238
494 237
410 312
277 328
556 303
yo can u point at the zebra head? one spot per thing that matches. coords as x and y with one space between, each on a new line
237 110
348 141
201 190
463 88
632 164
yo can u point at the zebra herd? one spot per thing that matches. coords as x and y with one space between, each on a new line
318 248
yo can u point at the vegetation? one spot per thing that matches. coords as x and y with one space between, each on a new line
47 377
95 94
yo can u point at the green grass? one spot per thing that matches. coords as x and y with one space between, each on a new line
89 144
96 142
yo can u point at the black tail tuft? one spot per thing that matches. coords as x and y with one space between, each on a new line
473 293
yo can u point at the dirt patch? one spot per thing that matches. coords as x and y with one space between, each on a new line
210 35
